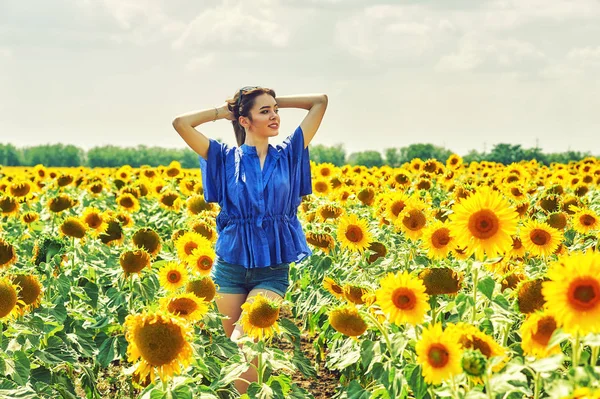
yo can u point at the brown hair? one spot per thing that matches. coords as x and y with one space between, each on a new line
243 109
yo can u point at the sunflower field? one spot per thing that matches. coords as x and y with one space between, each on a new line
426 281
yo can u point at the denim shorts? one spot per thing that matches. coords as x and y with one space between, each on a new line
236 279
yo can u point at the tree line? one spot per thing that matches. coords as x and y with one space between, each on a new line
113 156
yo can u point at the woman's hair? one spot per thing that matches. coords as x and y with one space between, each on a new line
243 108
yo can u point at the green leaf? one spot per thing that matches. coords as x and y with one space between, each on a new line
22 366
355 391
501 301
91 291
486 287
230 372
106 352
59 311
414 376
548 364
182 392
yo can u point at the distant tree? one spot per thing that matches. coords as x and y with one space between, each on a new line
9 155
53 155
320 153
392 157
423 151
366 158
474 156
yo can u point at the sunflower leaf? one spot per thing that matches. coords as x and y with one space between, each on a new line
486 287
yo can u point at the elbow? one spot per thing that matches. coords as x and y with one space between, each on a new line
177 124
323 99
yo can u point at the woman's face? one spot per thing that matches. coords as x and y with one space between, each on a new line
265 117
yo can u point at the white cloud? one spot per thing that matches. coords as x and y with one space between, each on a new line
245 25
588 56
5 53
200 62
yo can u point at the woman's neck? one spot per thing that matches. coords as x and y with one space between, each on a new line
262 145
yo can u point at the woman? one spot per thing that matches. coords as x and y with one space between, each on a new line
258 187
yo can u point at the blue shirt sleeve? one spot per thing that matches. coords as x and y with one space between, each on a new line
293 147
213 169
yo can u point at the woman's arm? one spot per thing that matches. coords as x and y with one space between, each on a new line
316 104
185 124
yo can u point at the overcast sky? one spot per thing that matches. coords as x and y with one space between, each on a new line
455 73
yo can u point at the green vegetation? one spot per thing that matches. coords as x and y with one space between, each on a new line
112 156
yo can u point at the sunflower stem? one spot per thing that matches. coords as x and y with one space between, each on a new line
384 333
537 385
575 350
488 385
474 271
594 356
260 368
433 304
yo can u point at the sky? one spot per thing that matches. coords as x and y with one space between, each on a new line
461 74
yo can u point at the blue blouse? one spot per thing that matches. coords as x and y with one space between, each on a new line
258 224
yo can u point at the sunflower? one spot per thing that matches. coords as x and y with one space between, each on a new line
201 260
573 292
334 288
454 161
30 293
73 227
557 220
539 239
436 240
353 234
461 253
321 186
160 341
585 220
403 298
21 189
438 354
329 211
470 337
354 293
94 220
30 217
517 249
134 261
347 320
147 239
174 169
485 222
440 280
205 229
170 200
60 203
128 202
529 296
9 206
9 300
366 196
535 335
323 241
113 235
379 251
173 276
204 288
413 219
395 205
186 305
188 242
8 254
259 317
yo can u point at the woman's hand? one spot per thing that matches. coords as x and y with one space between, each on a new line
225 113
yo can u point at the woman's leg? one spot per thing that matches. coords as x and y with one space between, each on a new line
251 374
230 305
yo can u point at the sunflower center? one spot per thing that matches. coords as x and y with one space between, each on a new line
321 187
584 293
160 343
397 207
354 233
8 299
204 262
20 190
126 202
8 205
404 298
174 276
93 220
517 244
263 315
587 220
540 237
189 247
169 199
438 356
545 329
440 237
483 224
415 220
182 306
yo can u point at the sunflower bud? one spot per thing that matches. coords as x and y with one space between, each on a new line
473 363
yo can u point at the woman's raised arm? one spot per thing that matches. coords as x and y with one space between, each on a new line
316 104
185 125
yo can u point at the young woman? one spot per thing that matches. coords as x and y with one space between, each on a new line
258 187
